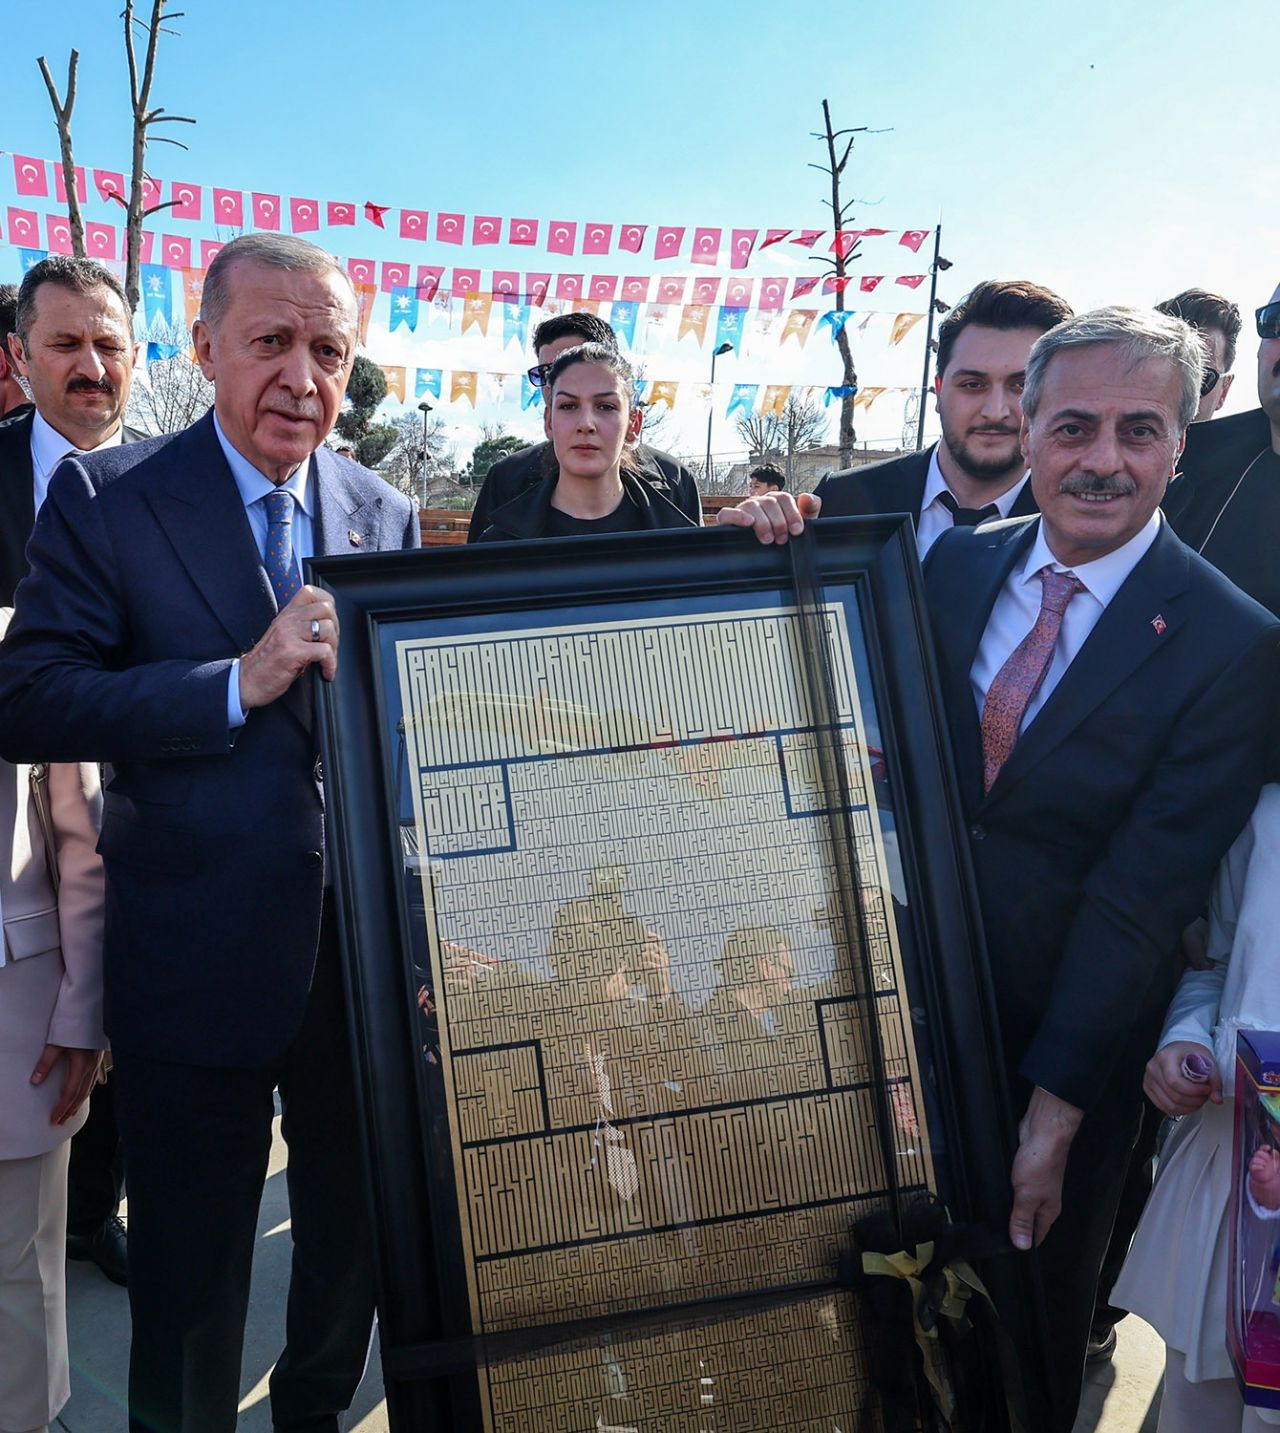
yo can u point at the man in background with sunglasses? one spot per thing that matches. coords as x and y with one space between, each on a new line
1217 321
510 476
1225 501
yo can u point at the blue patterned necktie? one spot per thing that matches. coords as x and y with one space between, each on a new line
281 567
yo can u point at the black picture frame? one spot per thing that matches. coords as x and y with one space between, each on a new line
428 1352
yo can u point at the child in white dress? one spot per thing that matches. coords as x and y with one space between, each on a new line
1176 1274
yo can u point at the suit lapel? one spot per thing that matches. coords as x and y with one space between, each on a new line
17 500
200 510
346 520
1138 620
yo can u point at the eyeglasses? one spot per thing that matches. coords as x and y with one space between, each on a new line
1209 382
1269 320
539 374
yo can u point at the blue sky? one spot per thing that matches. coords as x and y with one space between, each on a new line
1075 146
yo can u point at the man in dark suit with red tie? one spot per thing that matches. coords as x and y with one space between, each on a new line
1111 703
976 473
164 628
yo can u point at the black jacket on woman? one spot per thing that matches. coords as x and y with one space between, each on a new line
527 514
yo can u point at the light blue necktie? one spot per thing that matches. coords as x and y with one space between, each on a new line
281 566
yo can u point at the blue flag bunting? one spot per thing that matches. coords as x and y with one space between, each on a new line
529 394
404 309
744 397
850 392
729 328
427 383
837 318
515 323
622 319
157 295
29 258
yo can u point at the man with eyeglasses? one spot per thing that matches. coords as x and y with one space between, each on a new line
1225 502
1217 321
512 475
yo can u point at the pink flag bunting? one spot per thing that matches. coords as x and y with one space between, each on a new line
486 229
228 207
23 229
58 230
807 238
266 211
522 231
869 281
187 200
740 247
737 293
603 286
109 185
704 291
667 244
706 246
801 287
413 223
363 271
569 286
631 237
304 215
209 251
376 214
913 238
151 192
30 178
100 241
561 237
597 238
773 236
339 213
450 228
772 292
671 291
465 281
506 285
60 184
175 251
635 289
394 276
428 280
910 281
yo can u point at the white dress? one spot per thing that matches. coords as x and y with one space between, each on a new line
1176 1274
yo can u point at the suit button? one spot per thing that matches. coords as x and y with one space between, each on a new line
979 833
314 858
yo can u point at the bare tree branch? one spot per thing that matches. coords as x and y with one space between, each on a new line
62 113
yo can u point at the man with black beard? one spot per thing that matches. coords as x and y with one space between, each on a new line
977 472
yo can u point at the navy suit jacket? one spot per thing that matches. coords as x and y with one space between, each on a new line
1100 837
145 584
895 485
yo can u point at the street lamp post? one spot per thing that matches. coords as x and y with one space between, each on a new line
719 353
424 408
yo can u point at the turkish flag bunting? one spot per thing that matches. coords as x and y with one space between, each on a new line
23 229
209 251
413 223
603 286
429 276
175 252
266 211
569 286
671 291
535 288
151 192
228 207
60 184
58 229
667 244
869 281
29 177
304 215
737 293
704 291
362 271
561 237
772 293
910 281
635 289
837 285
522 231
376 213
338 213
109 184
394 276
505 285
802 287
144 249
843 243
450 228
100 240
465 281
913 238
188 197
773 236
744 240
486 229
807 238
706 246
631 237
597 238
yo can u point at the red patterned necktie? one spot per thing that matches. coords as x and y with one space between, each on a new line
278 559
1016 683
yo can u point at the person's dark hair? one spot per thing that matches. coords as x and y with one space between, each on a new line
8 314
1002 304
1203 310
774 477
585 326
279 251
81 276
606 357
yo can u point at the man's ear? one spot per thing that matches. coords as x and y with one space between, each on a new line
16 357
202 342
1227 381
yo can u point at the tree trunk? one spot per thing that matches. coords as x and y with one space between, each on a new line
62 113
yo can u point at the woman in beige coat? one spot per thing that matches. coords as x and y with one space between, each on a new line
51 1044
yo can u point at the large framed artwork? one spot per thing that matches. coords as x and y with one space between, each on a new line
664 967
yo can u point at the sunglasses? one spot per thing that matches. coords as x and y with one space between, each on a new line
1269 320
539 374
1209 382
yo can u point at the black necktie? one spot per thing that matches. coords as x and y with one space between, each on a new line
967 517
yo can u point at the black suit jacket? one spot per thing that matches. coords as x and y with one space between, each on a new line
1101 835
145 584
517 472
1216 454
895 485
526 515
17 498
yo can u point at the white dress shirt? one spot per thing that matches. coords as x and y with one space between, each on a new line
935 518
1018 605
49 447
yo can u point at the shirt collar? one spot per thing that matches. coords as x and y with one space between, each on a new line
254 485
935 484
1104 576
49 447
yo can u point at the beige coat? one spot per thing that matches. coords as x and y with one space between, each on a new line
51 979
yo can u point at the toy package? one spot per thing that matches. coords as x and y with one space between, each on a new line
1253 1291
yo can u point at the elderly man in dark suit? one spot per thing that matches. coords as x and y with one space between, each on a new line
164 628
1111 701
977 472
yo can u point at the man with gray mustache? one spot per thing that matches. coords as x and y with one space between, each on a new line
1111 701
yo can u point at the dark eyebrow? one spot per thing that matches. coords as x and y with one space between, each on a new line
1138 415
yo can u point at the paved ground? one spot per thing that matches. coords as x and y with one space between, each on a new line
1120 1398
